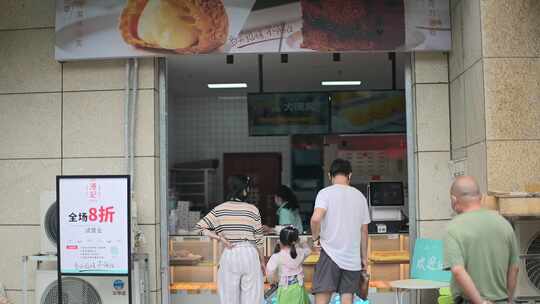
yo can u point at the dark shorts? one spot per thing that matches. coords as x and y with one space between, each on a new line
328 277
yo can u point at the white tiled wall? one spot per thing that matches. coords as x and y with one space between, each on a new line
63 118
205 128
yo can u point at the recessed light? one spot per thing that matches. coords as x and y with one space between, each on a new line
239 85
341 83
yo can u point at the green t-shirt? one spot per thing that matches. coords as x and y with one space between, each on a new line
485 244
289 217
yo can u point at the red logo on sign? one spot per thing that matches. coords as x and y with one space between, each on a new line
92 190
72 247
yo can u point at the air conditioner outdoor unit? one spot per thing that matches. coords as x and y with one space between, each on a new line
48 222
76 290
528 234
93 289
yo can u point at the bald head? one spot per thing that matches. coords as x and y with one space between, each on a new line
465 189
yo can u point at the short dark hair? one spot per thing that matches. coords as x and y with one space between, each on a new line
340 167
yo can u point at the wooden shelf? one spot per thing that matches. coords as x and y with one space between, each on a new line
384 270
196 288
389 257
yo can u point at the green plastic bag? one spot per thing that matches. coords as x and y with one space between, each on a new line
445 296
292 294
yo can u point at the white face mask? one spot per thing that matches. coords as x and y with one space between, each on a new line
278 201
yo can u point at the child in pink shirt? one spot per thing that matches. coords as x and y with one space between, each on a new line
287 261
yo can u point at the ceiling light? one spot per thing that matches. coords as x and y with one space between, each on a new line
341 83
239 85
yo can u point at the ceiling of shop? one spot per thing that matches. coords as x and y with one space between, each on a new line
189 75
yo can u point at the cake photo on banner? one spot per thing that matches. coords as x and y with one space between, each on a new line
348 25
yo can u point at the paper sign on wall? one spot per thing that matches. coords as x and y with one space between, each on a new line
427 261
94 224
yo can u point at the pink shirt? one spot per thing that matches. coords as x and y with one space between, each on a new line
287 266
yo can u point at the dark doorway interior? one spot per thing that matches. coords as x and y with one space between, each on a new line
265 170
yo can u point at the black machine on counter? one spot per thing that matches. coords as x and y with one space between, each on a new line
386 202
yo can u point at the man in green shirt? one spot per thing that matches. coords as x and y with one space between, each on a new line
480 248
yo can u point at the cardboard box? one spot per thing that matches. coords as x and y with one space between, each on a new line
490 202
519 206
513 204
534 187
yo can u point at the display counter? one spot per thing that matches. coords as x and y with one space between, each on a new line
194 261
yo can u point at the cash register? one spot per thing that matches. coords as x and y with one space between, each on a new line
386 202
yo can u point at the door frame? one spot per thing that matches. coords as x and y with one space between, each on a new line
163 167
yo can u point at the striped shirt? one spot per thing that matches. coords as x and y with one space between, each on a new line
236 221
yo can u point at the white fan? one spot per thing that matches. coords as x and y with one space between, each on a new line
528 233
74 290
81 290
48 222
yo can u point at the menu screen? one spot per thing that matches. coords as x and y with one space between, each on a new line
288 113
368 112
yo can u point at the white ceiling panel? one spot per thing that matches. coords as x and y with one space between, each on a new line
189 75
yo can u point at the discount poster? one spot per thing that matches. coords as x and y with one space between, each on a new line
93 213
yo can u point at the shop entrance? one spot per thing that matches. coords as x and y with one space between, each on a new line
284 124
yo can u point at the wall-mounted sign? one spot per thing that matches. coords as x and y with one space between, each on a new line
427 263
457 167
137 28
94 233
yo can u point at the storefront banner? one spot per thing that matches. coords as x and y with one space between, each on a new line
94 225
95 29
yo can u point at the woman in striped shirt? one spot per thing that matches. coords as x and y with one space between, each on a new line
237 225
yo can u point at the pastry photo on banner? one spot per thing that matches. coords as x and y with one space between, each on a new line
87 29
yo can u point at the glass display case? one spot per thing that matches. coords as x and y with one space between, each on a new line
194 261
388 259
